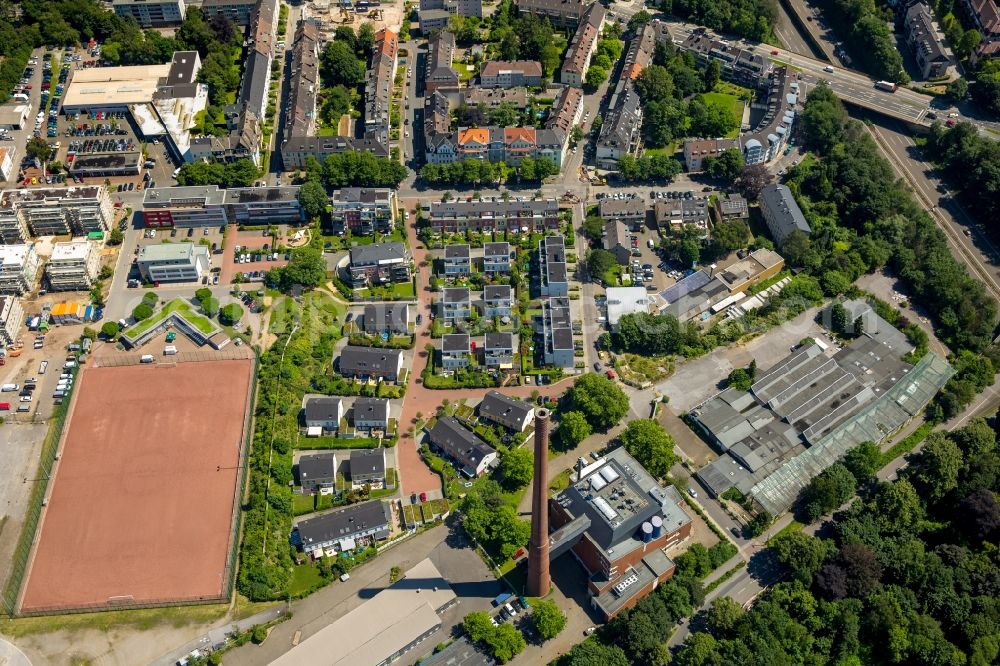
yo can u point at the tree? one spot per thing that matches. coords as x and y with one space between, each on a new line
517 467
259 634
339 65
573 429
827 491
838 318
593 228
548 618
710 118
853 572
981 515
230 314
654 83
712 75
651 445
723 616
306 269
759 523
934 471
754 178
729 235
864 460
505 642
478 625
600 261
599 399
38 148
203 293
595 77
209 306
824 118
801 553
595 653
110 330
142 311
116 237
726 166
366 38
957 90
313 199
639 19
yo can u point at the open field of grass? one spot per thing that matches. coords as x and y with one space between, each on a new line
726 100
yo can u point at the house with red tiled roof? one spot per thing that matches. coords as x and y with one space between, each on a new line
473 143
518 143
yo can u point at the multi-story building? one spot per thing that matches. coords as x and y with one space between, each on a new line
583 46
368 468
498 351
11 319
370 414
985 15
392 318
781 213
552 262
6 163
18 268
494 215
739 65
471 455
441 54
363 210
696 150
343 530
498 300
617 521
13 227
57 212
510 73
496 258
455 349
672 214
371 363
732 206
208 206
324 412
921 36
631 212
304 83
151 13
237 11
173 262
775 128
296 151
317 472
616 241
565 113
557 333
379 263
456 305
378 90
73 266
457 261
458 7
559 12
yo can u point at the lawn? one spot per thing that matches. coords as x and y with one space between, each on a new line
666 151
726 100
644 368
305 578
303 504
179 306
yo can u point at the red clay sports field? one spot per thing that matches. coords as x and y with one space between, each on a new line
142 501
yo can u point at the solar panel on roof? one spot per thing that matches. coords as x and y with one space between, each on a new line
685 286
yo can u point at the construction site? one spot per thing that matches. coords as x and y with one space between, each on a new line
331 15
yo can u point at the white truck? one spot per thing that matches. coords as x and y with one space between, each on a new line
146 358
170 350
7 388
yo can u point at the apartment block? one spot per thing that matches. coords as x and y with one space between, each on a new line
209 206
379 263
494 215
18 268
441 54
457 7
498 300
455 349
583 46
559 12
11 319
456 305
922 37
58 212
557 333
73 266
496 258
552 261
173 262
696 150
151 13
457 261
237 11
782 213
739 65
363 210
378 89
510 73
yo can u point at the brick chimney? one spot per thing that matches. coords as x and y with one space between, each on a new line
538 548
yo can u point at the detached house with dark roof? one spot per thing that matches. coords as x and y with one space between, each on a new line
457 261
471 455
392 318
317 472
456 305
513 414
498 351
371 363
455 349
324 412
370 414
616 241
368 466
379 263
496 258
498 300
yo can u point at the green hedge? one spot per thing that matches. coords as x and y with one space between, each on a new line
342 443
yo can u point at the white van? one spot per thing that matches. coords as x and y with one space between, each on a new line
147 358
170 350
7 388
828 69
176 171
69 364
58 394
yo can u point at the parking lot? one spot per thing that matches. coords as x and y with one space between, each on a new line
254 257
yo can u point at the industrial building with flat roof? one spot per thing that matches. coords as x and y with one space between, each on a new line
382 629
617 521
173 262
808 410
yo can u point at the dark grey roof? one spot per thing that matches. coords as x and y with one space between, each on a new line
496 249
383 316
378 253
344 524
456 252
369 361
256 75
456 295
318 466
499 407
455 342
182 68
493 292
562 338
782 212
449 436
371 409
322 409
368 462
499 341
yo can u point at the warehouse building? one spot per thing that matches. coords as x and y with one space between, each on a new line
173 262
73 266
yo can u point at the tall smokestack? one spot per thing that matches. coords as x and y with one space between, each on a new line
538 548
